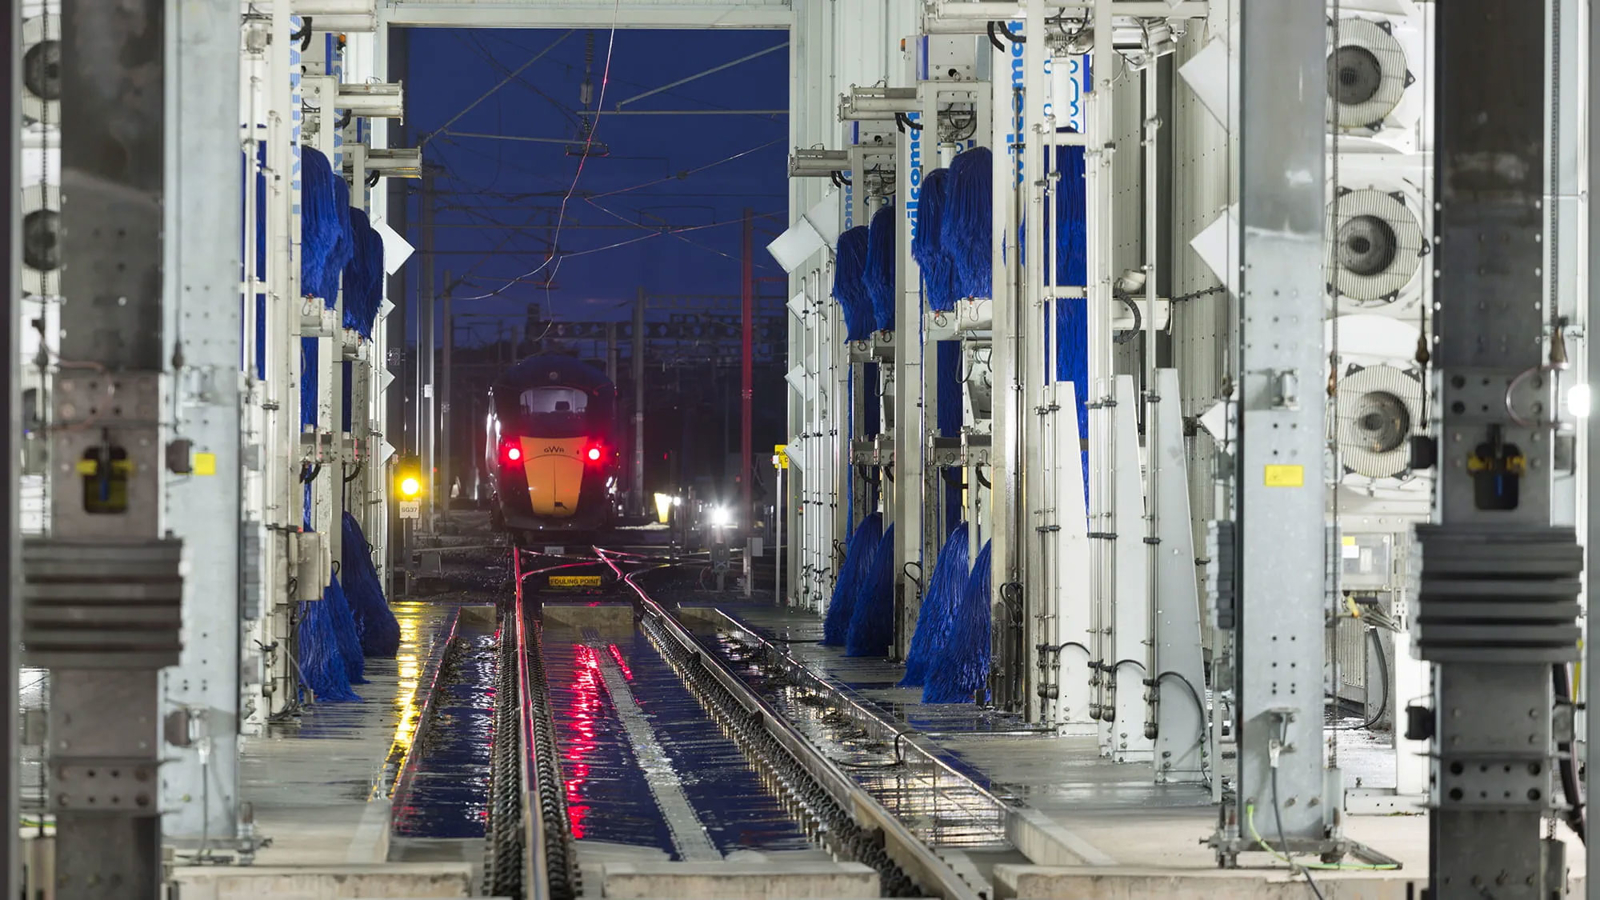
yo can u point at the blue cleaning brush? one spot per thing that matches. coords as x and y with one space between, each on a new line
927 246
961 672
872 621
376 625
1072 329
968 227
857 564
849 282
320 229
881 267
938 606
322 666
344 631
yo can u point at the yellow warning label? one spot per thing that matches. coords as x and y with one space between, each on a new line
90 467
561 581
1349 540
1285 476
780 454
205 464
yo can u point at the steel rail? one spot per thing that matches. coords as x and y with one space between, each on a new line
536 864
1039 839
932 874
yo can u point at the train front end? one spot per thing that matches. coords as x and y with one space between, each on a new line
553 461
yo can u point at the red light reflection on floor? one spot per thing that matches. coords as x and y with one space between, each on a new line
581 715
616 654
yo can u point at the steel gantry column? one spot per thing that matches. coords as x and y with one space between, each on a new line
1497 602
1591 460
103 599
911 423
10 397
202 317
1279 552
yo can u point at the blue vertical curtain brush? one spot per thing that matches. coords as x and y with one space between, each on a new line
320 225
856 568
375 622
329 648
934 620
960 672
872 620
849 284
927 245
363 275
967 229
1072 268
880 271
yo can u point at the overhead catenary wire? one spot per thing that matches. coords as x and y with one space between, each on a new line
503 82
588 144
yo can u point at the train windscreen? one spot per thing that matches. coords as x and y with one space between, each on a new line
555 411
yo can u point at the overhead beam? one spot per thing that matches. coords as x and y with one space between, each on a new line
743 14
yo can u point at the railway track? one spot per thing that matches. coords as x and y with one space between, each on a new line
532 851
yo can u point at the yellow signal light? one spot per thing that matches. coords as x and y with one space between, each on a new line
408 478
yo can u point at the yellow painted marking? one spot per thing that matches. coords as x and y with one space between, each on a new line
574 581
205 464
90 467
1285 476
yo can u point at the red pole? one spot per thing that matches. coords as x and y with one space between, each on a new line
746 377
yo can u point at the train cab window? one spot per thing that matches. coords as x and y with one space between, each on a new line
555 410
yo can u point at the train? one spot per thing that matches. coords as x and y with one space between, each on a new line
551 454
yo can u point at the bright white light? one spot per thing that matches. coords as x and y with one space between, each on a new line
720 517
1578 400
677 501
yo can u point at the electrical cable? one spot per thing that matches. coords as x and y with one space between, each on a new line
1577 813
1138 322
589 142
1277 810
1383 669
503 82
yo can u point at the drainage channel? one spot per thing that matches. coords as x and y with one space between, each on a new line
656 757
445 793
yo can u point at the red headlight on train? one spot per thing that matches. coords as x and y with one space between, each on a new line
510 451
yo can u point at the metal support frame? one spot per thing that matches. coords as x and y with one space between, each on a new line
910 417
743 14
10 414
1493 554
109 460
1279 117
200 780
636 502
1008 514
427 416
1178 675
949 70
1590 508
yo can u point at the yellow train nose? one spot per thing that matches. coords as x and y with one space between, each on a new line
554 469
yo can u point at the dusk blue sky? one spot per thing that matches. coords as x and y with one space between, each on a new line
486 183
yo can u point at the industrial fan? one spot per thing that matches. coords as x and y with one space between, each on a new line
1367 75
41 69
41 240
1375 243
1376 409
